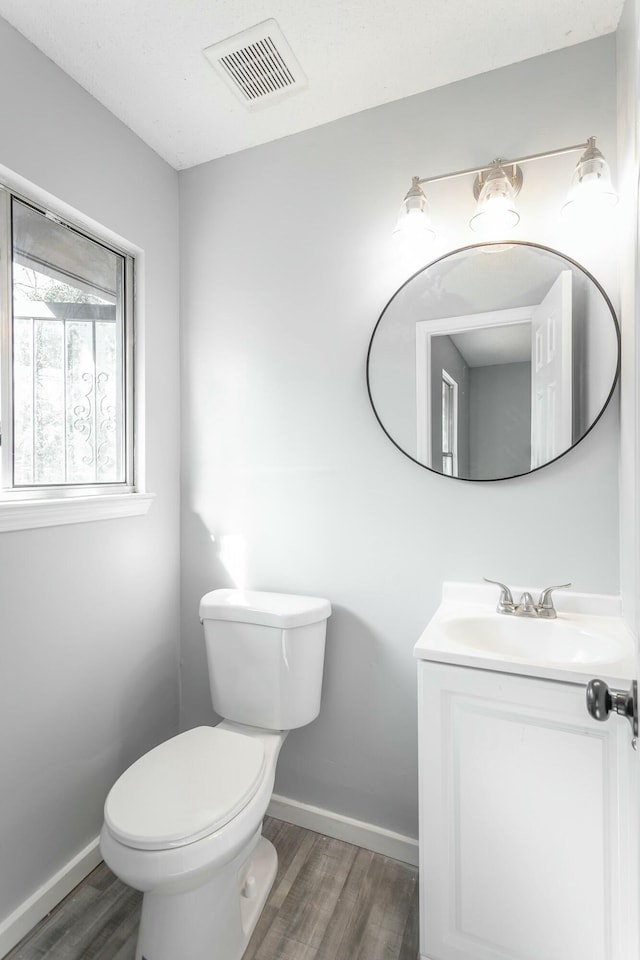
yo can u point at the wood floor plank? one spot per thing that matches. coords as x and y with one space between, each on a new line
378 942
84 926
293 846
330 901
359 874
351 915
411 935
309 905
88 927
393 899
50 933
118 931
101 878
371 916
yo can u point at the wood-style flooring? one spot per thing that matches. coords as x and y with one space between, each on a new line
330 901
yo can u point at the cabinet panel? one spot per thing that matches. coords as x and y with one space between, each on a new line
520 827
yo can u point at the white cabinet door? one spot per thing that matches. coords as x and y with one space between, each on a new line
524 836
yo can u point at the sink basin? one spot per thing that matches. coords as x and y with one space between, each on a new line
561 641
589 637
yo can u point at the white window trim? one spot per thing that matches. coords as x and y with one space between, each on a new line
28 514
46 511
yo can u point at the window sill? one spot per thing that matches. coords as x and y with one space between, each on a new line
28 514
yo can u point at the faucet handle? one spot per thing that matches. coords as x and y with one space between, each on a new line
505 601
545 605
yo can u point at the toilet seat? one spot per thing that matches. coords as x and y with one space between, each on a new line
185 789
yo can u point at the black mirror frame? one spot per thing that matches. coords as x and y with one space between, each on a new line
475 246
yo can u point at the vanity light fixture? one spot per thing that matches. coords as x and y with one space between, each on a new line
496 186
414 225
591 188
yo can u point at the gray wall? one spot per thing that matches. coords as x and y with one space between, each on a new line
594 350
500 425
392 383
88 612
286 265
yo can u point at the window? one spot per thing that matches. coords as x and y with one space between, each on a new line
66 414
449 425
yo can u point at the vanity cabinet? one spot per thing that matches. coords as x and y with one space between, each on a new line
525 841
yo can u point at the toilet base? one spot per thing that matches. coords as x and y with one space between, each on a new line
214 921
262 870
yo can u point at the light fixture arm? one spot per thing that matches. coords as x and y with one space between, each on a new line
590 144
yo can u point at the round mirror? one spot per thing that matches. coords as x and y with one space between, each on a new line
493 360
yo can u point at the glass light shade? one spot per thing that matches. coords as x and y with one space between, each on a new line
496 210
591 191
413 228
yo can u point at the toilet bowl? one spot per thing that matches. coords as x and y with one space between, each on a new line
183 823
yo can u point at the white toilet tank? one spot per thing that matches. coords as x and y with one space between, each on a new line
266 656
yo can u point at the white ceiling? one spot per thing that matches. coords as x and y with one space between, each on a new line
507 343
143 58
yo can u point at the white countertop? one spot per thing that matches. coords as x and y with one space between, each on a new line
589 615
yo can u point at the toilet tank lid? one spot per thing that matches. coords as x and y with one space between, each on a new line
269 609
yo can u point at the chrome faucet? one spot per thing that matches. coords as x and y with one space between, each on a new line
544 608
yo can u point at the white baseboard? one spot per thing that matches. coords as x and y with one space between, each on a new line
31 911
334 825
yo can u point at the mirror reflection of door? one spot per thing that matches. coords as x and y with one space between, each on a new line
488 357
551 379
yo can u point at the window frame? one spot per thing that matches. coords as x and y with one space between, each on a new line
449 425
49 505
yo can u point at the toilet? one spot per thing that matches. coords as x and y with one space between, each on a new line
184 823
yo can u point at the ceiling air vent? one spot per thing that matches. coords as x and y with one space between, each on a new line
257 64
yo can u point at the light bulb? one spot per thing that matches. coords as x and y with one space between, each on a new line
496 210
413 228
591 192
